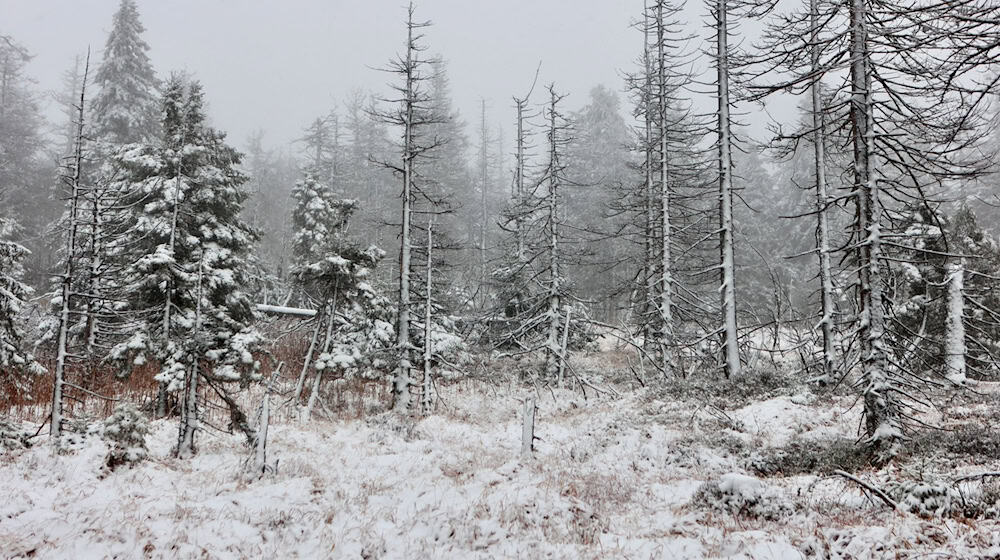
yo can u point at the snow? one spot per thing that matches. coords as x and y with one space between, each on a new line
610 478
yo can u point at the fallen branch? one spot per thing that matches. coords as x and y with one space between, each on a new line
979 476
282 310
882 495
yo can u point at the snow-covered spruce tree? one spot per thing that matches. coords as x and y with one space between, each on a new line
15 363
352 327
123 111
446 181
364 179
598 161
189 260
125 431
909 108
26 182
272 174
126 106
334 274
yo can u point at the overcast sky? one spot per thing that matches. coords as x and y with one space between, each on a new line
276 65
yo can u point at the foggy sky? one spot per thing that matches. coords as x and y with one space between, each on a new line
276 65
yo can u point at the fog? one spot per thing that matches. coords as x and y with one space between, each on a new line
276 65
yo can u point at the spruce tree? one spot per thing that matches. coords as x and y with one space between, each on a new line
14 361
126 107
190 257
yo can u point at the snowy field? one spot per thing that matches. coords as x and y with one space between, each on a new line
612 477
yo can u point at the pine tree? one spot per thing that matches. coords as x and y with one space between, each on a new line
126 106
190 259
25 183
334 272
15 363
599 163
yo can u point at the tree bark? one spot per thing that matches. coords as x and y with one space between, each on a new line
955 349
730 340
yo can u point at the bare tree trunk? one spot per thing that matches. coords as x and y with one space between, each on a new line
666 278
553 360
519 183
425 395
955 349
727 290
403 378
485 179
564 347
822 200
882 415
649 261
62 343
317 380
528 428
299 385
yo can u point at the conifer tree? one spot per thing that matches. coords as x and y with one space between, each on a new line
126 106
25 182
15 363
190 259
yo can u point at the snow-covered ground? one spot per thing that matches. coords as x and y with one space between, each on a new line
611 478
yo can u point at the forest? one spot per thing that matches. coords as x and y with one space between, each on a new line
603 324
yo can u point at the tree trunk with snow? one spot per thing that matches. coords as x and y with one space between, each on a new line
822 201
484 210
518 194
883 423
425 392
66 288
665 281
189 402
403 379
318 378
528 428
300 384
955 349
727 289
553 357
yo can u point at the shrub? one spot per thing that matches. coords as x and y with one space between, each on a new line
809 456
125 432
12 436
926 498
739 494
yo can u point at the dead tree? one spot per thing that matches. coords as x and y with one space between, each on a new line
74 181
724 143
414 112
908 102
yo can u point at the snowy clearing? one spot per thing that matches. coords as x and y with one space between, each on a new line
611 478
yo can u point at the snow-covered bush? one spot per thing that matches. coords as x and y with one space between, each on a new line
12 436
77 432
926 498
739 494
809 456
983 502
125 432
